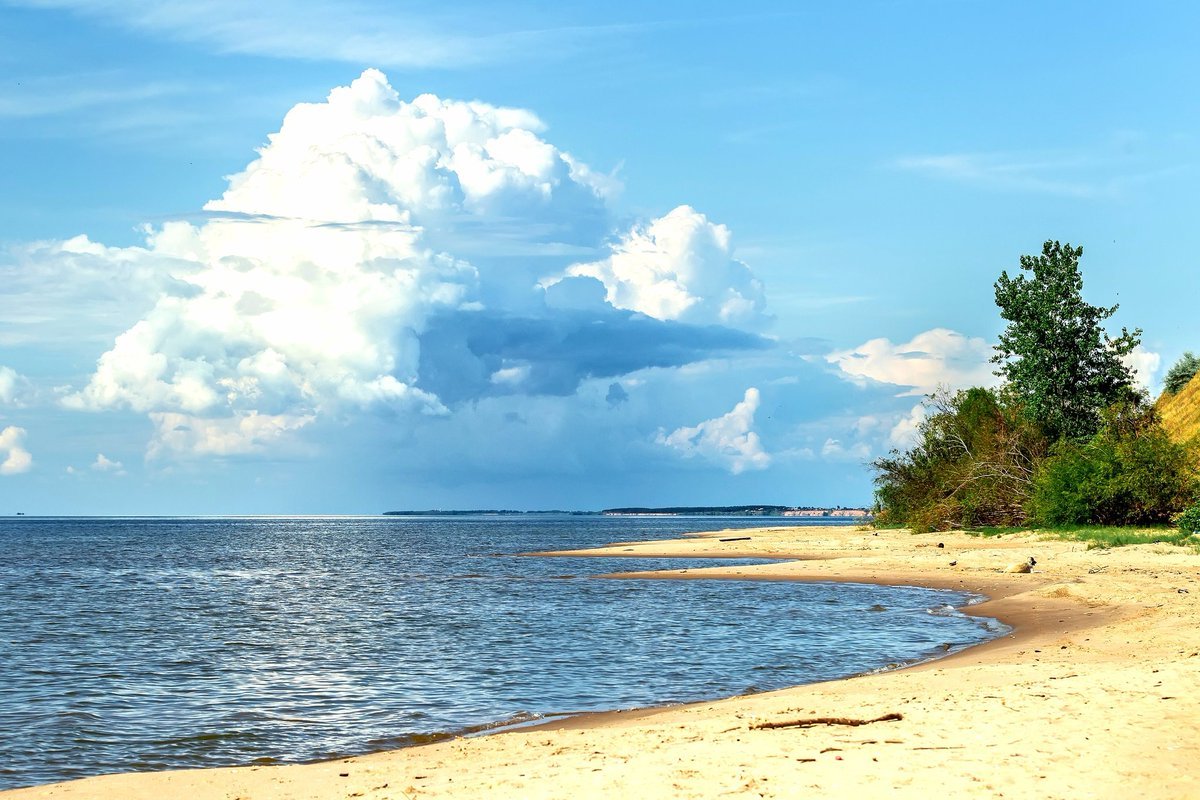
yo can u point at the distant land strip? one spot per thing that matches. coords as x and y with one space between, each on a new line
671 511
480 512
741 511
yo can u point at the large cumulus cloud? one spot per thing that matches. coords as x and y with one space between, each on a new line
384 255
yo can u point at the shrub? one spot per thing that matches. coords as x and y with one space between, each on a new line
1189 520
1129 473
972 465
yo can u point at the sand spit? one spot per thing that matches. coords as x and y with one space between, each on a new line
1092 696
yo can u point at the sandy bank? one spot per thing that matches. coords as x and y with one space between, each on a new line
1094 695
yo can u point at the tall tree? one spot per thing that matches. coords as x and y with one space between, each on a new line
1181 373
1055 353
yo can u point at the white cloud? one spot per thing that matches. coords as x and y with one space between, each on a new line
511 375
365 155
904 433
8 384
105 464
938 357
354 31
39 96
16 459
306 290
242 434
834 450
728 440
78 290
1145 364
1054 173
678 267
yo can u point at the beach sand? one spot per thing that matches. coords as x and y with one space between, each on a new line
1094 695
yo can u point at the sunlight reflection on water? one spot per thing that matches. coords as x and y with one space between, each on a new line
152 644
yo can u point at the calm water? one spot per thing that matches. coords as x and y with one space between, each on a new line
140 644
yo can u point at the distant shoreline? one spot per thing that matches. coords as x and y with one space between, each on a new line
668 511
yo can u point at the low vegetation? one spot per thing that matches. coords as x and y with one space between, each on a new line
1103 536
1068 441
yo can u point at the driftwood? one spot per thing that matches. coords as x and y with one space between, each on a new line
736 539
813 722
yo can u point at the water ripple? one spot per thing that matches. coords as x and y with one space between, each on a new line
155 644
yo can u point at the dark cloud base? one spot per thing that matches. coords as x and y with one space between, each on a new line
462 350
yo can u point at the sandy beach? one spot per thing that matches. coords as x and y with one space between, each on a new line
1093 695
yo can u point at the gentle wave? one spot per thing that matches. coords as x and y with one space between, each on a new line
156 644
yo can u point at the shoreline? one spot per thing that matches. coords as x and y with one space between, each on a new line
1089 695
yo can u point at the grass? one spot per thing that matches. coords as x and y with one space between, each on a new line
1180 412
1104 536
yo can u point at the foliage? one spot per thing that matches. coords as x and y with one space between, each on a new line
1181 373
1055 353
1128 473
1101 536
973 464
1067 441
1188 521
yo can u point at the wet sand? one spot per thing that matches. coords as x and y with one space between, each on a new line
1092 695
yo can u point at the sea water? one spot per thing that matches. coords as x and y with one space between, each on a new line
147 644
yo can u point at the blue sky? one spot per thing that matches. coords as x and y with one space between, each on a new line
322 257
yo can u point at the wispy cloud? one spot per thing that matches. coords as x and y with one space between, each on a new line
358 32
44 96
1006 171
1105 169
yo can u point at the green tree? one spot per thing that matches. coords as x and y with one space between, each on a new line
1055 353
1181 373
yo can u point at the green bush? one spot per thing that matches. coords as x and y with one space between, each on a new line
1189 520
972 465
1130 473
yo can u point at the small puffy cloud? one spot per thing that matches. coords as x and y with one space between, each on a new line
514 375
14 458
8 384
835 450
728 440
678 267
1144 364
903 434
938 357
105 464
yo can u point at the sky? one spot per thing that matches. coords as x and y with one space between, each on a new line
318 257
